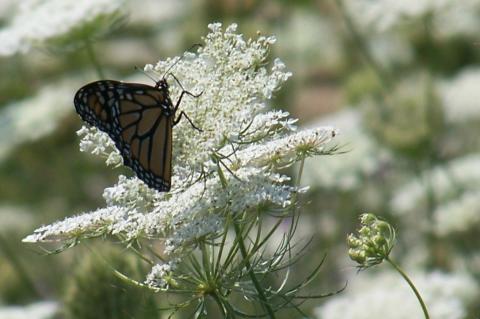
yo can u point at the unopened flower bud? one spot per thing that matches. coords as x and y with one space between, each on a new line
373 243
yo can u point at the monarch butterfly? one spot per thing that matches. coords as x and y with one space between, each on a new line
139 118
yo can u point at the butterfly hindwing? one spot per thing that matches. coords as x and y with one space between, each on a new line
139 119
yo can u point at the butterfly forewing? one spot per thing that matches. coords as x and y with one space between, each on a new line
139 119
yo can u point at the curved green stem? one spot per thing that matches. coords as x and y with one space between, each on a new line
410 283
93 59
258 287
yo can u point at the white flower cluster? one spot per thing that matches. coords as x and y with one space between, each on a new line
229 168
287 150
39 21
229 71
447 296
93 224
35 117
159 273
460 96
99 143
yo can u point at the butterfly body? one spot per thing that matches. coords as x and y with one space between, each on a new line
139 119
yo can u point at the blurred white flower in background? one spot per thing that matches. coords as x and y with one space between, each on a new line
40 21
444 181
38 310
382 15
33 118
387 295
385 14
303 33
390 49
166 19
466 263
15 218
460 96
458 215
459 18
362 158
154 12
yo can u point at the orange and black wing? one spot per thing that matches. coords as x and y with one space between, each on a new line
139 119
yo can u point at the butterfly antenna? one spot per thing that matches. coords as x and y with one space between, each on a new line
180 59
143 71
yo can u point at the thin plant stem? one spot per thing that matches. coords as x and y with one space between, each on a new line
206 262
258 287
216 267
410 283
297 184
359 40
300 172
93 59
245 256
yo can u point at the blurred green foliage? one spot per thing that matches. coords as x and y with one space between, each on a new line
94 291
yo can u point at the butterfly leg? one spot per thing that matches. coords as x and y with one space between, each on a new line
179 84
183 91
175 122
181 96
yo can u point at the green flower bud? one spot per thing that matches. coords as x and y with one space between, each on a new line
379 240
356 255
353 242
367 219
373 243
365 231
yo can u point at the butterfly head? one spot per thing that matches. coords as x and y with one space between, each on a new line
162 84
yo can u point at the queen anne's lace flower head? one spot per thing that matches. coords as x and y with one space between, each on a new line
229 168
